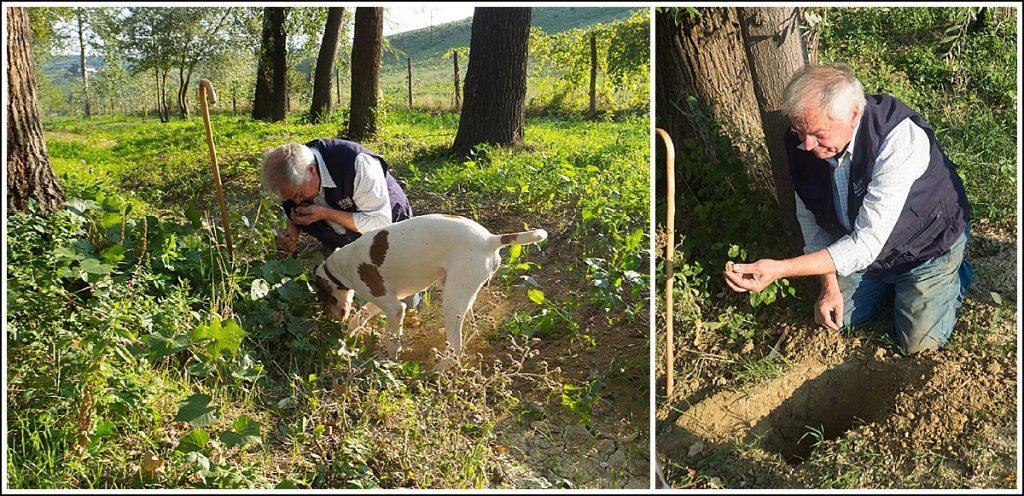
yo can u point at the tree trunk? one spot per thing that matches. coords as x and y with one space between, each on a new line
270 102
703 56
325 65
495 89
593 73
458 100
366 51
775 51
980 19
184 76
29 175
81 58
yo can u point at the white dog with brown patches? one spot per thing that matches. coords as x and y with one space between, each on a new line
393 262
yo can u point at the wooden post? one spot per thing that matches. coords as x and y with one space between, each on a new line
408 61
670 219
337 82
207 94
593 73
458 100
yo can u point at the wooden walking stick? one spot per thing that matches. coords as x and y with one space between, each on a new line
670 219
208 95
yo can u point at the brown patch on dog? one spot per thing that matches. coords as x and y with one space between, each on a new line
324 292
453 216
507 239
379 248
371 276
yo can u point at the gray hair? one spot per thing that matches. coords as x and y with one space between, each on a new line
832 88
286 165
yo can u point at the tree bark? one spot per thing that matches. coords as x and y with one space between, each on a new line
29 175
366 52
775 52
495 88
325 65
270 102
703 56
81 57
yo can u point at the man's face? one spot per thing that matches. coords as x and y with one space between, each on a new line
823 136
305 192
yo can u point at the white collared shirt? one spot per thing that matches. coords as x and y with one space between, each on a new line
369 192
902 159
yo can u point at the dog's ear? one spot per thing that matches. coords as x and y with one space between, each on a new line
325 292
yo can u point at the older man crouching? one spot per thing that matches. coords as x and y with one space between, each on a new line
334 190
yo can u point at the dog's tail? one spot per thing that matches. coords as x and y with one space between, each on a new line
519 238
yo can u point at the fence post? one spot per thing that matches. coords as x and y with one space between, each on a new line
593 73
458 100
408 61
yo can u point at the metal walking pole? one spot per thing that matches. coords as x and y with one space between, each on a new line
208 95
670 219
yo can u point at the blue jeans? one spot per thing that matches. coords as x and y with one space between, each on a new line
925 300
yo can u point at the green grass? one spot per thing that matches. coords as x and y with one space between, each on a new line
110 311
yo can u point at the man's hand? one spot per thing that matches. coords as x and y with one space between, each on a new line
828 311
288 238
755 276
310 213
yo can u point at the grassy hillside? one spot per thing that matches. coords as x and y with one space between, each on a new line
433 42
432 71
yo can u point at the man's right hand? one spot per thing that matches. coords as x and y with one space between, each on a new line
288 238
828 311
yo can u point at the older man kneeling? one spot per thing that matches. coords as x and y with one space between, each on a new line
884 215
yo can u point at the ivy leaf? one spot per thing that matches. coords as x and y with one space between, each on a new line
259 289
109 219
160 346
196 410
535 295
194 441
226 336
193 217
291 290
243 431
93 266
113 254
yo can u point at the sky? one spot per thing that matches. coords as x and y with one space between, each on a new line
407 17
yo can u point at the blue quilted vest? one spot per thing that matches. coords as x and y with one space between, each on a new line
340 157
935 213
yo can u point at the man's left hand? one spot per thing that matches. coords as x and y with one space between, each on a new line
754 276
308 214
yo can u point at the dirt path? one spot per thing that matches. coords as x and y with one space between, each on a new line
845 411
